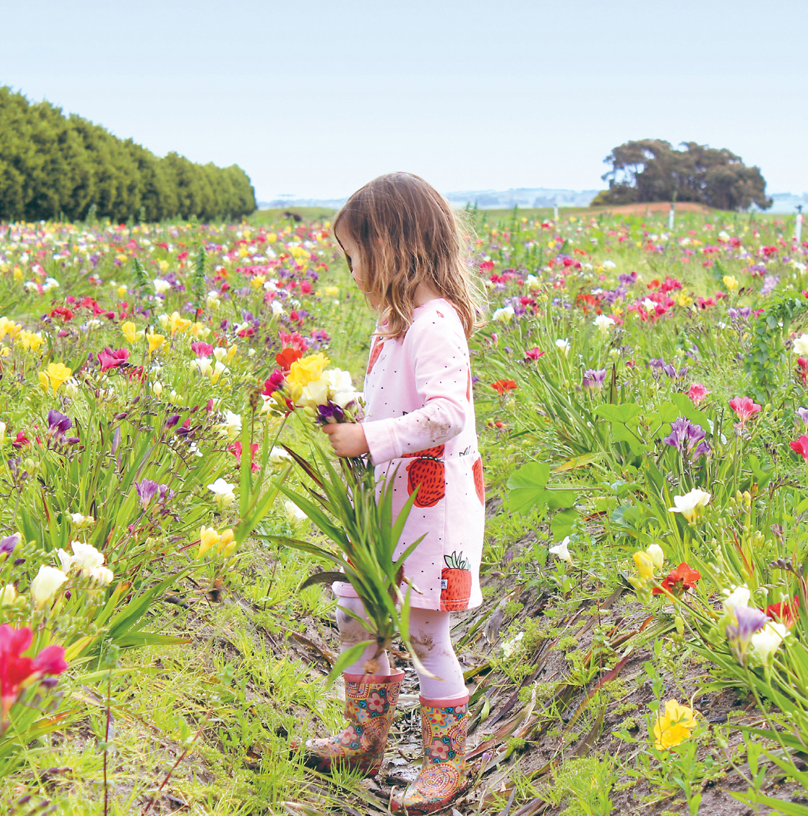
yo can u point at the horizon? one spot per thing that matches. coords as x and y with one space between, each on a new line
315 107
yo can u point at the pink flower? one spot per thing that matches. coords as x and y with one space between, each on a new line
112 359
16 669
697 393
800 446
533 354
202 349
744 408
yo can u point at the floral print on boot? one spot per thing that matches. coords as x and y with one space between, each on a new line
442 778
370 704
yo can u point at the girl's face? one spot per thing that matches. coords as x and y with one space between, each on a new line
354 257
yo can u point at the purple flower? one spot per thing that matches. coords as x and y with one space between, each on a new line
656 362
8 543
739 315
671 371
146 491
330 413
685 436
802 413
750 620
594 378
769 284
172 421
58 423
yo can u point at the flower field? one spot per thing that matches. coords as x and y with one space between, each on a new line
642 395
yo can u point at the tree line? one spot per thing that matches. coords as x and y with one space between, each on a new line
53 166
652 170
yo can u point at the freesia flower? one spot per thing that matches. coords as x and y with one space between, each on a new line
744 408
54 375
16 669
307 369
801 345
604 324
594 378
767 641
802 413
800 446
697 393
690 504
202 349
227 543
8 595
47 582
678 581
293 512
534 353
58 424
784 611
644 564
177 323
731 282
562 550
503 315
738 596
674 726
131 333
208 537
656 555
155 341
146 490
8 543
749 620
503 386
278 456
161 286
563 345
222 492
231 427
112 359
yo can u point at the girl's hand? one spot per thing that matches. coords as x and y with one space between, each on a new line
347 439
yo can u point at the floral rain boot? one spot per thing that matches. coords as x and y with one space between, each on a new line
370 704
444 724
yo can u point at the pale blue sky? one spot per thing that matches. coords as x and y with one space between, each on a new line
315 98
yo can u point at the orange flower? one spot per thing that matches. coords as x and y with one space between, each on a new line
678 580
503 386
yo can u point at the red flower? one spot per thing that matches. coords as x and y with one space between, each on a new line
305 287
288 356
503 386
800 446
21 440
112 359
802 369
486 266
678 580
744 408
534 353
785 611
16 669
274 382
64 313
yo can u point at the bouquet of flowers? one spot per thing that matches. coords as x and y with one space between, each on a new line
347 505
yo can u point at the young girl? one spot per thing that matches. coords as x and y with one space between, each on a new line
407 256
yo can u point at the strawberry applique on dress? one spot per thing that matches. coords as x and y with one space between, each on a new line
428 471
479 484
375 351
455 582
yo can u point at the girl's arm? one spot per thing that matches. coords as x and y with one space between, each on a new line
440 356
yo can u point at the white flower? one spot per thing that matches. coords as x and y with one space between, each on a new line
85 556
340 387
768 640
690 504
47 581
564 345
656 555
604 324
609 265
504 314
531 280
562 550
202 365
231 427
65 559
161 285
8 595
222 492
81 521
101 575
314 393
219 353
801 345
277 456
164 321
71 388
294 513
212 300
723 235
509 646
2 432
738 596
157 387
277 308
650 305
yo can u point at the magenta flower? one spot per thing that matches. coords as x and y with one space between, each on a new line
697 393
744 408
112 359
202 349
533 354
800 446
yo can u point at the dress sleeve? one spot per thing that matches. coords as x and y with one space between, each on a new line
440 361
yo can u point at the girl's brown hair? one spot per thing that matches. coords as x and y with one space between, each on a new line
408 234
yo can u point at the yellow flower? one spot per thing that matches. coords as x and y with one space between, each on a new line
674 726
199 330
208 537
258 281
155 341
130 332
54 375
178 323
8 327
231 353
645 566
163 265
684 300
227 543
331 291
307 369
731 282
122 290
30 340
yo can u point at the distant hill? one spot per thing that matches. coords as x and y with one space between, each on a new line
522 197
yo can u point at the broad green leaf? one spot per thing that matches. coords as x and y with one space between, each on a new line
526 485
622 413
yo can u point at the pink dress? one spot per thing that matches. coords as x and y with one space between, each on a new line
420 418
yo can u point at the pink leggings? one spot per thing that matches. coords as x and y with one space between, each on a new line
431 639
